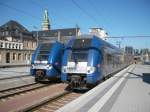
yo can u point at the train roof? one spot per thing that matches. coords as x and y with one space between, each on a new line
89 38
102 41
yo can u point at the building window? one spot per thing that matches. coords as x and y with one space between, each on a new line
13 46
3 33
14 56
27 44
70 33
19 46
6 45
32 44
16 32
9 45
25 56
1 44
16 46
19 56
29 56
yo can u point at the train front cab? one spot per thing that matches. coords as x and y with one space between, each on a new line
82 61
46 62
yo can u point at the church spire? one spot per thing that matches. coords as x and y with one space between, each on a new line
45 23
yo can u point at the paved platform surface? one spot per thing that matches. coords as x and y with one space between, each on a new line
14 71
15 82
127 91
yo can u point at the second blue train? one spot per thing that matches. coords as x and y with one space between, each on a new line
88 59
46 61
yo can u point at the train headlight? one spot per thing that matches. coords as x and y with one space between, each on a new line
49 66
90 69
64 69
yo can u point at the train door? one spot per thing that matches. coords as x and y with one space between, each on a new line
7 57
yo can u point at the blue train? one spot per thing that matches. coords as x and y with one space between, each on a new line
88 59
46 61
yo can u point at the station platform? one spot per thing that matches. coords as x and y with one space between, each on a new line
126 91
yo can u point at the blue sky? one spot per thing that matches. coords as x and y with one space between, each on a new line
117 17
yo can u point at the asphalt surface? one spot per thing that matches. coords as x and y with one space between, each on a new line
15 82
14 71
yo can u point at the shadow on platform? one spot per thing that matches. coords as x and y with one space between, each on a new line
144 76
138 75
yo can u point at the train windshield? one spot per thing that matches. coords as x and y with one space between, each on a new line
78 56
80 50
44 51
82 43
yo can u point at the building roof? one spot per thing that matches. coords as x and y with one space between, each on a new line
13 25
15 29
57 32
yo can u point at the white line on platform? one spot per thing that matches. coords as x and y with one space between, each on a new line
106 97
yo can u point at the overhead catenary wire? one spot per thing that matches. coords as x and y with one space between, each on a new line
18 10
85 12
97 11
37 4
142 36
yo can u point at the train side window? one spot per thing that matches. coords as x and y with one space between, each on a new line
105 59
109 59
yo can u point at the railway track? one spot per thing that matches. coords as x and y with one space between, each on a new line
18 90
14 77
12 71
55 103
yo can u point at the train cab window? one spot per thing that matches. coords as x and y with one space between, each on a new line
82 43
45 46
44 51
79 56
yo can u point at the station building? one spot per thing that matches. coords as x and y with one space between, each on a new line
16 44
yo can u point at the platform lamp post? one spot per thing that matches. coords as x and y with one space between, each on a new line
37 34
